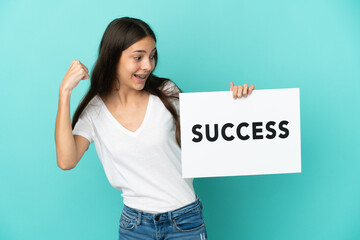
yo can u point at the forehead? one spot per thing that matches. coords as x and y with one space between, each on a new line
146 44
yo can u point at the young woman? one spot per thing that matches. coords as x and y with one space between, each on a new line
132 116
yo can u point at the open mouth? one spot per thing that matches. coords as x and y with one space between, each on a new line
140 77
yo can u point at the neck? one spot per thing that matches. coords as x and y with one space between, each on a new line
129 97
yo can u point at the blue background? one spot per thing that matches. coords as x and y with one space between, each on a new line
203 45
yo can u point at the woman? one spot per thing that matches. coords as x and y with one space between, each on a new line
132 117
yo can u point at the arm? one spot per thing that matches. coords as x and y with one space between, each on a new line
69 148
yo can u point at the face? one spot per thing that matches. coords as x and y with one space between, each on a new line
136 63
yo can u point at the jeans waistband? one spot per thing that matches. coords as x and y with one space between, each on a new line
196 205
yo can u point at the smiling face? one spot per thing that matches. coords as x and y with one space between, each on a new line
136 63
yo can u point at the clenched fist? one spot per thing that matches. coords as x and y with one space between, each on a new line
76 72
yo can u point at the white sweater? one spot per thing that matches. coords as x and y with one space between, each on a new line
146 164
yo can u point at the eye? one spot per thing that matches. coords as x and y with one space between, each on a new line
152 57
137 58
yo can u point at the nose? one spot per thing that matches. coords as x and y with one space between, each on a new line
146 65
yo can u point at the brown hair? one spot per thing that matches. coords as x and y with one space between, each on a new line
120 34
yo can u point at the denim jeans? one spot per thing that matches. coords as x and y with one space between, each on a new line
182 224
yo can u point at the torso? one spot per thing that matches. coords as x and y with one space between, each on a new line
130 117
146 164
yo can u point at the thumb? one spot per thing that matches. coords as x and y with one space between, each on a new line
86 76
231 86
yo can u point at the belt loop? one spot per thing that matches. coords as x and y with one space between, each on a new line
170 217
201 205
139 219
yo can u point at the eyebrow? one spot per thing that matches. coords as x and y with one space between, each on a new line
143 50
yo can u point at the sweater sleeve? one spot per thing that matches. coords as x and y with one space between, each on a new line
84 127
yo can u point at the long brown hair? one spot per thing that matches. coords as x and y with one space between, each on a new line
120 34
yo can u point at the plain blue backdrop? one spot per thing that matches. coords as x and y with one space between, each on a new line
203 45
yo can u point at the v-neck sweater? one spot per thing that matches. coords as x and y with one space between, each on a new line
146 164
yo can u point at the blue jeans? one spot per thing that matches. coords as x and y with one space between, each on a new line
182 224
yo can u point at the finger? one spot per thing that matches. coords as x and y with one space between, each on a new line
76 68
231 86
87 70
81 73
251 88
240 90
235 91
86 76
79 66
74 61
75 65
245 90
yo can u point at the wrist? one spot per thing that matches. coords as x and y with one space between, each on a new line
64 90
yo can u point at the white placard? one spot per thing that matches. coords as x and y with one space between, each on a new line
259 134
